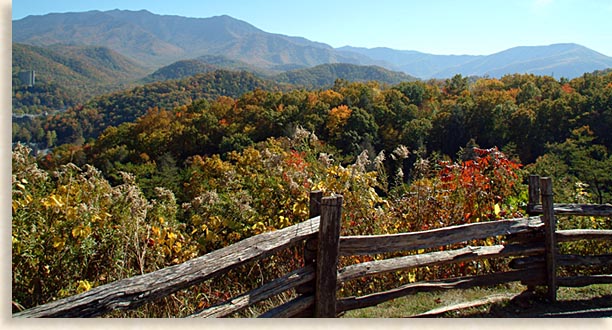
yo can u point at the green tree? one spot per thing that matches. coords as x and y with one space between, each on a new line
414 91
588 162
456 85
234 142
529 92
50 137
360 132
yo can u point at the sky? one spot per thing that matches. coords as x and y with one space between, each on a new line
474 27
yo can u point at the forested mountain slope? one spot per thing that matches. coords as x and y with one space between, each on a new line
89 119
66 75
325 75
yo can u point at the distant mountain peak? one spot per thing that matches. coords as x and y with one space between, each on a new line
561 59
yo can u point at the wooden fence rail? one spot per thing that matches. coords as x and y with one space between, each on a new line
375 244
466 254
531 243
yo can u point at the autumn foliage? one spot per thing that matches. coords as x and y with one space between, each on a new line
182 180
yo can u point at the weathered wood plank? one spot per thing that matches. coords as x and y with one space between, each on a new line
327 257
360 245
528 262
550 241
314 203
596 210
526 237
534 193
563 260
580 260
135 291
351 303
291 308
580 281
310 246
561 236
465 254
266 291
310 256
579 234
307 312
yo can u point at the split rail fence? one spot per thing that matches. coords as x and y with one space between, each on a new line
532 244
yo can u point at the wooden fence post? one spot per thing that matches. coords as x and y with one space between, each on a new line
534 193
534 199
550 227
310 246
327 257
310 251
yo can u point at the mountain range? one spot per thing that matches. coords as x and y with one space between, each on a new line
153 41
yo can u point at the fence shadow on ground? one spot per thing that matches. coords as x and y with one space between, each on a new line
532 305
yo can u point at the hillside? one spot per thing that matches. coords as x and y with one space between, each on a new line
202 64
101 64
226 63
66 75
179 69
320 76
98 29
90 119
66 64
325 75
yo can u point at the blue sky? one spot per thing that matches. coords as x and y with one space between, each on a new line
476 27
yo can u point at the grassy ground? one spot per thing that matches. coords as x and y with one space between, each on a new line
512 300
